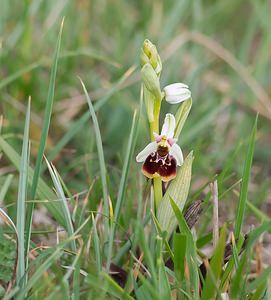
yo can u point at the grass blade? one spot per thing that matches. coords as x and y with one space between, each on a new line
101 161
21 202
108 285
245 182
78 124
5 187
179 249
215 268
44 134
96 239
45 265
61 196
181 116
190 247
123 181
43 190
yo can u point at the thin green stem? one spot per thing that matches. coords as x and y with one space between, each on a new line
158 195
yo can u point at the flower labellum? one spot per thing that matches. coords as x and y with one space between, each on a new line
177 92
162 156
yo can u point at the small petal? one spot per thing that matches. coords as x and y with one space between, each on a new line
171 141
151 147
176 152
177 92
157 138
168 126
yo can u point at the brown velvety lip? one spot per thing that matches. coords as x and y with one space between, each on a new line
163 166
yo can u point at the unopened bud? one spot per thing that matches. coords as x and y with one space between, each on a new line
151 80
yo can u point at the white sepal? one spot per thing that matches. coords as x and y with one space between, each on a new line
151 147
176 152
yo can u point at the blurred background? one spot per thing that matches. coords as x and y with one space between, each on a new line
221 49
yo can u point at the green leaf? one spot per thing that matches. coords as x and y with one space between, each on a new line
43 191
61 195
162 234
259 293
181 116
123 182
164 287
107 284
101 161
211 282
245 182
191 256
96 241
43 138
178 191
44 266
179 250
238 280
5 188
22 197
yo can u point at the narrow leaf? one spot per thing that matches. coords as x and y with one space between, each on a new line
181 116
191 256
101 161
245 182
123 182
178 191
21 202
211 282
64 204
43 138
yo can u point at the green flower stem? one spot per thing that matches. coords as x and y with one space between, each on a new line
157 186
154 127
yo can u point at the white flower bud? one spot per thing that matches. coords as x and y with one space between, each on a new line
177 92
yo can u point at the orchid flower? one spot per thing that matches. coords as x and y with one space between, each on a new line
177 92
162 156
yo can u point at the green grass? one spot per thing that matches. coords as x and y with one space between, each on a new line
89 205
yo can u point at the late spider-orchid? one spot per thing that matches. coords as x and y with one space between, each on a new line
162 156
